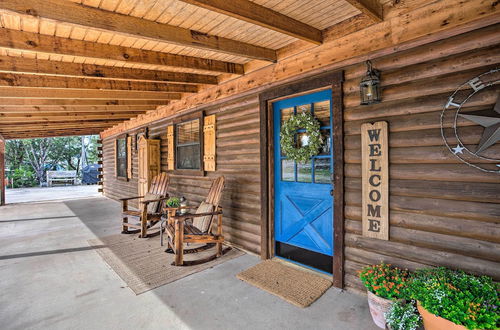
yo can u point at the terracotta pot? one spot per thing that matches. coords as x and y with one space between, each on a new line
378 307
433 322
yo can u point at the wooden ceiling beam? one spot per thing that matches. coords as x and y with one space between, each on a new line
259 15
31 80
60 125
38 134
372 8
50 114
27 118
55 93
32 135
85 16
46 67
36 110
111 103
28 41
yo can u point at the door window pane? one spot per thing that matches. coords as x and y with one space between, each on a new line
287 170
188 145
304 172
322 170
286 114
304 108
302 140
322 112
327 141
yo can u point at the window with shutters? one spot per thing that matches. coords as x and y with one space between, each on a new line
188 145
121 157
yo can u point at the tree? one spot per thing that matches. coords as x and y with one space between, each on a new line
92 154
14 153
67 152
37 154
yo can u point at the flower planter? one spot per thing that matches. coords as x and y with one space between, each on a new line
433 322
378 307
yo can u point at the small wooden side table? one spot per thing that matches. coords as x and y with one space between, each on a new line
170 211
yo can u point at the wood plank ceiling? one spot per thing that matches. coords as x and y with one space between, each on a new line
75 67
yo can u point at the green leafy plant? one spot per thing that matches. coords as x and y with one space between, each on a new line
173 202
385 281
403 316
468 300
289 130
23 176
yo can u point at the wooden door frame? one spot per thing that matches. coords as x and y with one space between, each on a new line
333 80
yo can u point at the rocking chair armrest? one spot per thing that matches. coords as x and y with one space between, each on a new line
183 217
129 198
155 200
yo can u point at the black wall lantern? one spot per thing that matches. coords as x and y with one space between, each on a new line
369 87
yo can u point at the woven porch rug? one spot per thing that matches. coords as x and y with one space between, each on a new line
298 287
143 264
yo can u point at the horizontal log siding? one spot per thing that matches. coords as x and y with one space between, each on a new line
442 212
238 159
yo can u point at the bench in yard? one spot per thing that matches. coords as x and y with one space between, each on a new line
60 177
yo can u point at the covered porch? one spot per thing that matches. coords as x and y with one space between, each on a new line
338 134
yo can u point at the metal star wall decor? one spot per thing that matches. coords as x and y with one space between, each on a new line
458 149
491 126
477 157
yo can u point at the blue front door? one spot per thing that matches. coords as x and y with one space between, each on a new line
303 211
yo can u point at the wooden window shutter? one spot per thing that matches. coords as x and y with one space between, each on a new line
209 143
129 157
171 148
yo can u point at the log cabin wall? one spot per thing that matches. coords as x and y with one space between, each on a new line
442 212
237 158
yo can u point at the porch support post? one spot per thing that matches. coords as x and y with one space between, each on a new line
2 170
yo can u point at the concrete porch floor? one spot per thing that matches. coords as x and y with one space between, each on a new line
37 194
51 279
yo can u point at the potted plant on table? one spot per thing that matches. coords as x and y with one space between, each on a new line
385 285
173 202
454 300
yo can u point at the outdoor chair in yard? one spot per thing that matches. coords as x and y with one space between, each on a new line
149 212
180 231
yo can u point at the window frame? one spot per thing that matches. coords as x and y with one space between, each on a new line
117 175
184 119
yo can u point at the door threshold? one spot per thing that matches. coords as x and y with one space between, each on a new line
301 266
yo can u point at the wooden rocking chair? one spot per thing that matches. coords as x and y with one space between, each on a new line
200 230
149 207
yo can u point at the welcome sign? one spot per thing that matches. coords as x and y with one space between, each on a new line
375 180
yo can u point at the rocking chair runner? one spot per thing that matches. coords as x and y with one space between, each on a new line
200 231
150 210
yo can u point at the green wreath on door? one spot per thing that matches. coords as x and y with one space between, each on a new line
287 137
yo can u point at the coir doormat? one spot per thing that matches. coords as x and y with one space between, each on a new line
298 287
143 264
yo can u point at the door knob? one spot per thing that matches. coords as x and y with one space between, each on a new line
331 192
